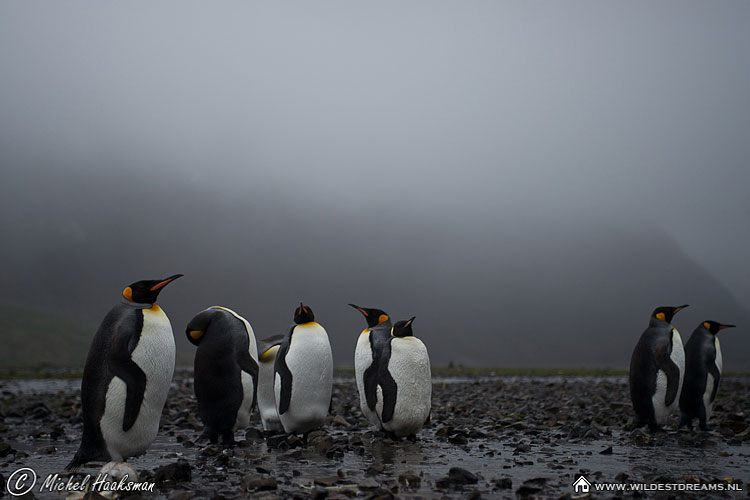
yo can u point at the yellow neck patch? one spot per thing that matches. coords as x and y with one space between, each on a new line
128 293
383 318
661 316
154 308
196 334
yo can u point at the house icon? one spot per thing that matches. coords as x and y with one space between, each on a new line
581 485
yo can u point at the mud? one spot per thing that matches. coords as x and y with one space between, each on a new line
490 437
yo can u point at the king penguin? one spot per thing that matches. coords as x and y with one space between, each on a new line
269 416
126 377
406 406
703 365
367 358
303 374
225 371
657 368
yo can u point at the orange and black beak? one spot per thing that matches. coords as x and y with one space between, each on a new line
165 282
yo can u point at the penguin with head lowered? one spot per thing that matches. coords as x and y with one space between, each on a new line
303 372
657 368
407 403
371 344
226 371
703 366
269 417
127 376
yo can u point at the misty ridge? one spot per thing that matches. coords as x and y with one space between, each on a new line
487 288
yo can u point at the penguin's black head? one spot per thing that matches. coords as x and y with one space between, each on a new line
146 291
303 314
374 317
666 313
403 328
714 327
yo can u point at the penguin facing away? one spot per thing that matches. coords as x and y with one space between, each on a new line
225 370
266 396
703 365
406 406
126 377
303 374
657 368
371 344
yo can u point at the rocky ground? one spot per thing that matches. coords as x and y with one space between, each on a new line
491 437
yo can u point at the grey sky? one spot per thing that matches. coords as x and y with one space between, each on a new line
523 125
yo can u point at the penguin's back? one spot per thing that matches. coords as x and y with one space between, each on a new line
223 389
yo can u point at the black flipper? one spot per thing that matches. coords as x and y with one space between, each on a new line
282 369
390 390
370 381
123 367
388 385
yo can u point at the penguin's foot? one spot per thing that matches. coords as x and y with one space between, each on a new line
392 436
636 423
653 428
227 439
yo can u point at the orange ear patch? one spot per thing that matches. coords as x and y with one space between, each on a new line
706 325
196 334
383 318
128 293
661 316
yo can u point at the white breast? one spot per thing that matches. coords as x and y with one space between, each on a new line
718 360
310 361
410 368
155 355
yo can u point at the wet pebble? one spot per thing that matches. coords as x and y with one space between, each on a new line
259 483
457 477
339 421
503 483
326 480
5 449
368 484
254 435
175 472
179 495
